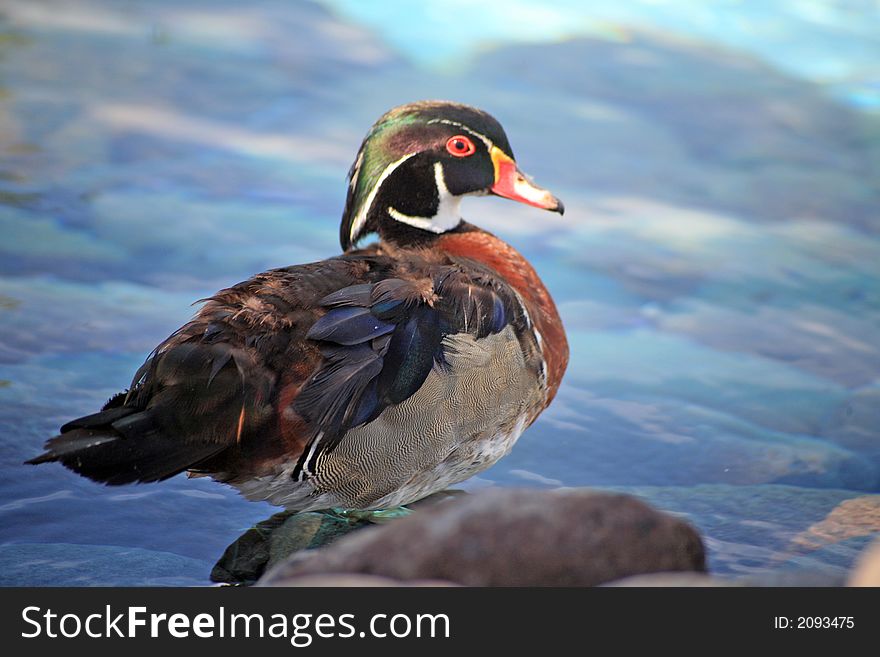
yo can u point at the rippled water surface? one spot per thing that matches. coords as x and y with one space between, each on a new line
718 269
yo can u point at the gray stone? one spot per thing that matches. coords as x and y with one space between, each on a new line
867 570
350 580
789 576
565 537
757 530
688 580
777 578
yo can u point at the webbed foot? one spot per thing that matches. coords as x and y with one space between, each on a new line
375 516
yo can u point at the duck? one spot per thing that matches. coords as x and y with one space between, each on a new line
368 380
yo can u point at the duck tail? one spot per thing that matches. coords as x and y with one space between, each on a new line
120 445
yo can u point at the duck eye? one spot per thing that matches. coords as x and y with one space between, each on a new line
460 146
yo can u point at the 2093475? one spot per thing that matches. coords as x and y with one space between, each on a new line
814 622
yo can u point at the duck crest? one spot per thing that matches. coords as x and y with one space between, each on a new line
383 150
486 248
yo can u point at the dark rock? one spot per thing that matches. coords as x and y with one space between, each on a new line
573 537
296 533
274 539
309 531
245 560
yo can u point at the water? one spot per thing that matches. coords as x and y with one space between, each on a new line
718 268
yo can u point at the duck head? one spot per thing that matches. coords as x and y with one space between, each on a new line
419 160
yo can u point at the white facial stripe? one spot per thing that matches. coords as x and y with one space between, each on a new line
448 214
476 134
361 217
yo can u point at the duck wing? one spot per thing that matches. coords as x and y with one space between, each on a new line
379 342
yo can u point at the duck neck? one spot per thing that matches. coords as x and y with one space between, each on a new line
407 235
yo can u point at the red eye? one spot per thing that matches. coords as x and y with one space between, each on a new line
460 146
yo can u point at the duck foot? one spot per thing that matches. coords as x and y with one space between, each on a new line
375 516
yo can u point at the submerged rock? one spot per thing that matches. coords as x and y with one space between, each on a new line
856 517
573 537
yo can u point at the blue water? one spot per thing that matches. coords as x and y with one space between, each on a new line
718 266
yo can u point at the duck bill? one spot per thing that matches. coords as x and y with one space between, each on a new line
512 183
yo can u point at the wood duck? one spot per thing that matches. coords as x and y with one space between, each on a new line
368 380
